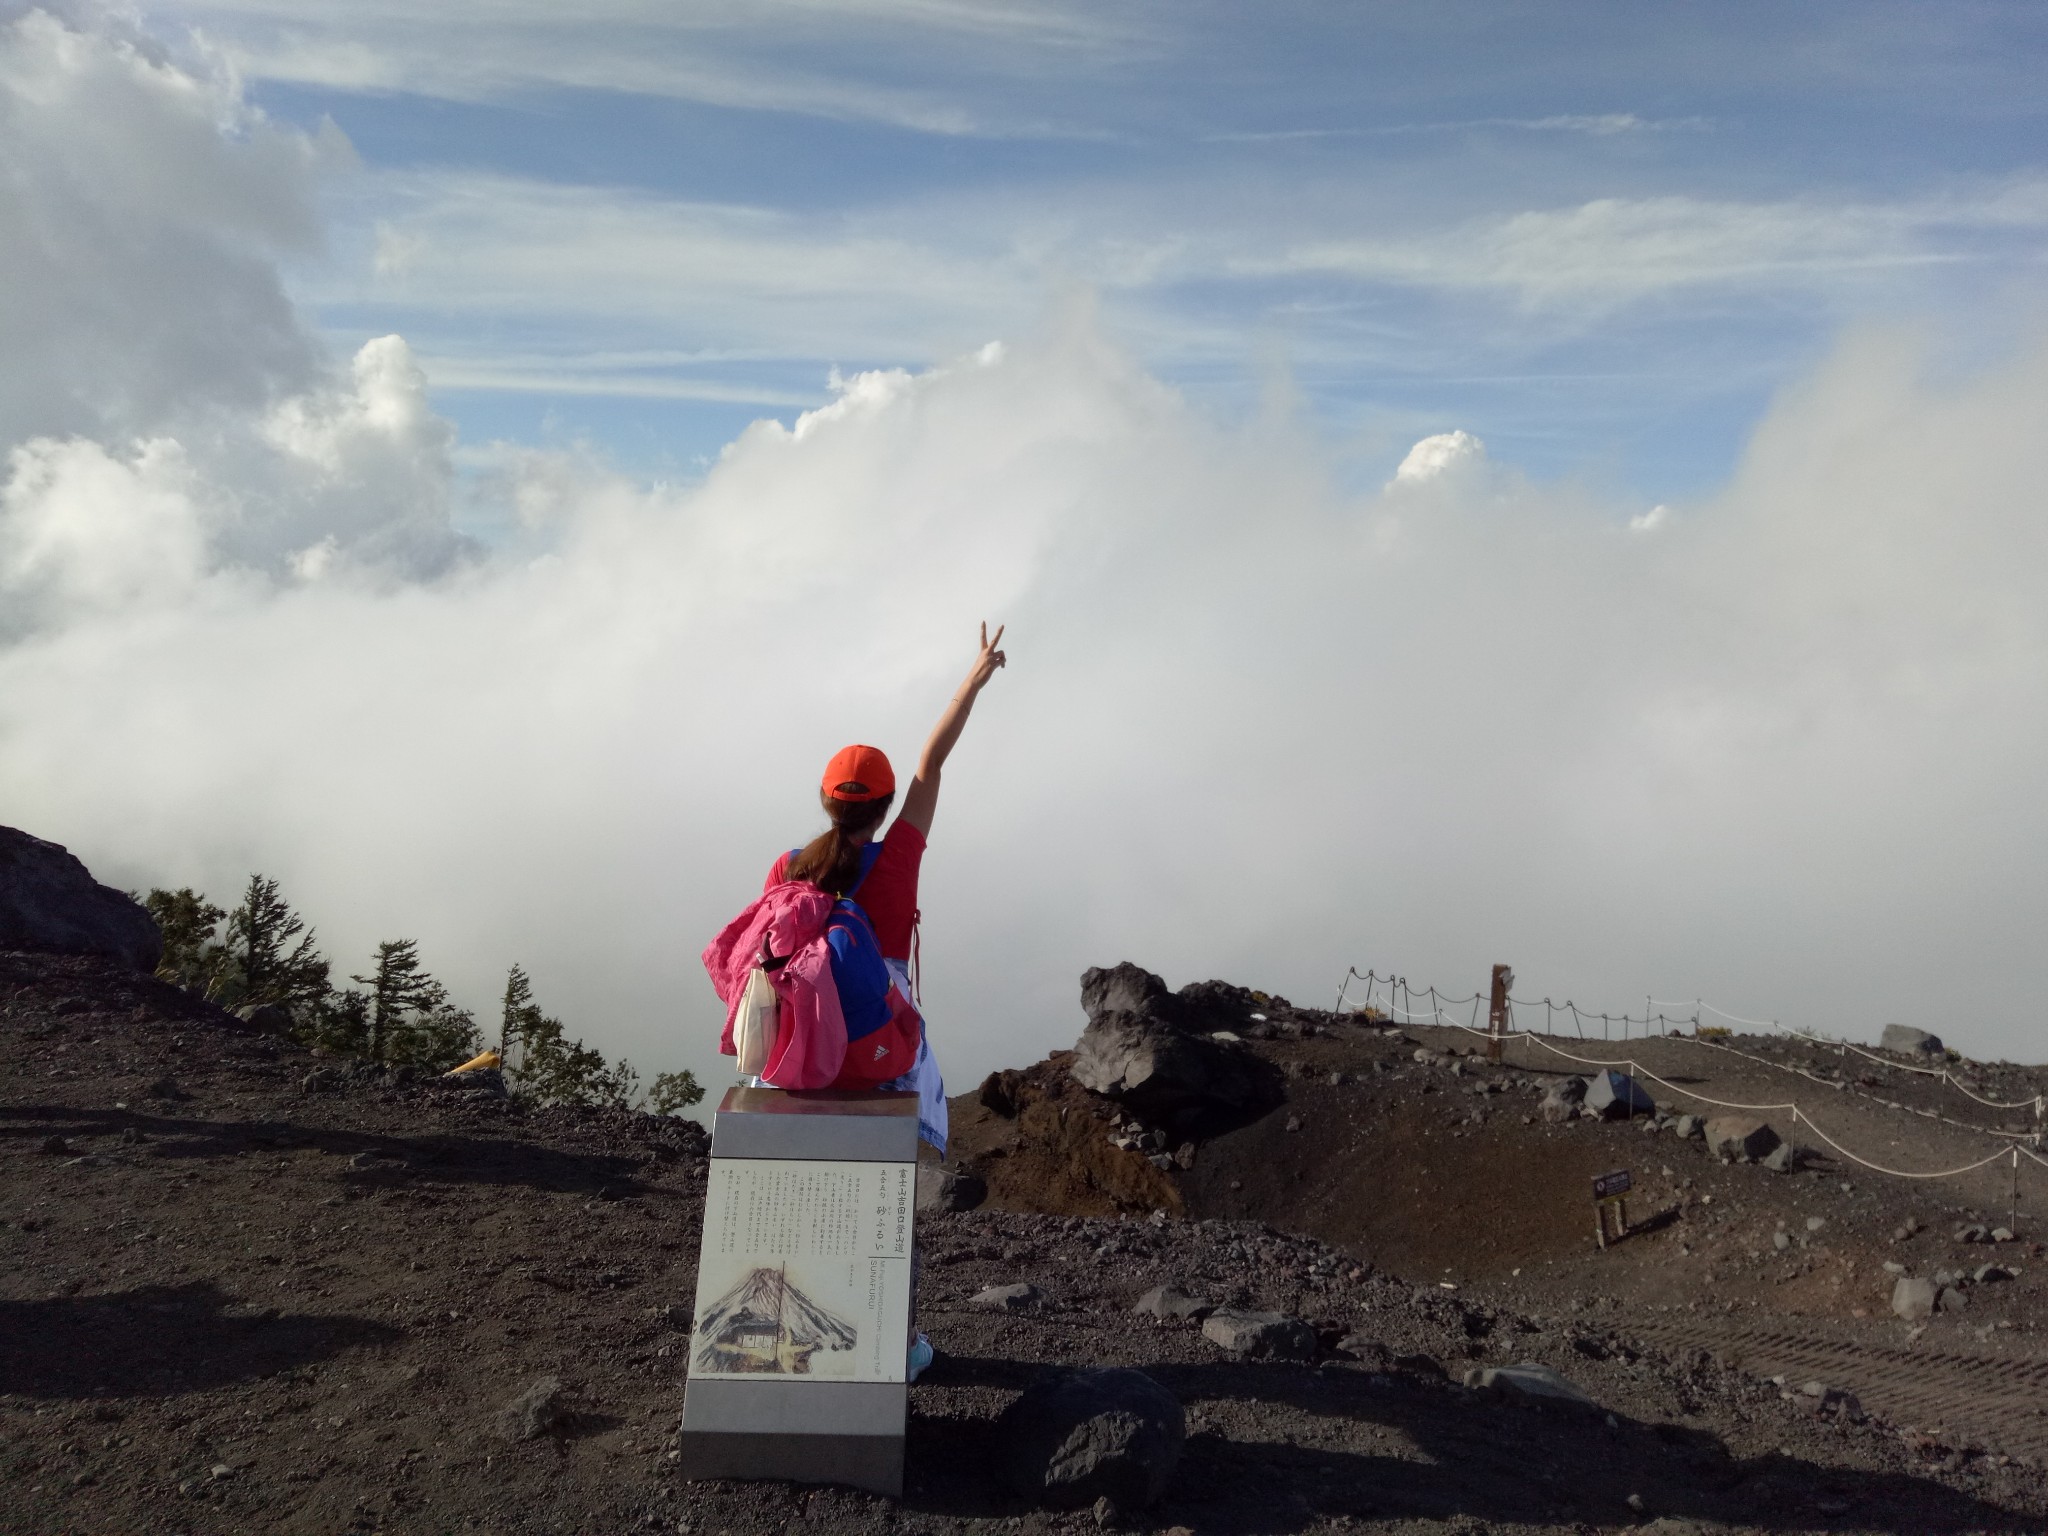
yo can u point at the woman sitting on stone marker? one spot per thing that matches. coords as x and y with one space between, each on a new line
879 875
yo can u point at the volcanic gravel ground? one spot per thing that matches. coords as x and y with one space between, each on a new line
245 1291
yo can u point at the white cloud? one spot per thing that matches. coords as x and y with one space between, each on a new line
1599 255
1598 124
357 473
749 56
1437 456
736 281
510 284
142 206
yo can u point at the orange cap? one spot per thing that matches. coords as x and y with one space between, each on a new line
859 773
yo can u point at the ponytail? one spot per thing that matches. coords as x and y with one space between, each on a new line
832 861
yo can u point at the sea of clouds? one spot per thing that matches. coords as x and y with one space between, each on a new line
1782 749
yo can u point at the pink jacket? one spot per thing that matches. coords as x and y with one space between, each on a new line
810 1042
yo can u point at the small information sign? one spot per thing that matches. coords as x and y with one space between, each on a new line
804 1270
1610 1200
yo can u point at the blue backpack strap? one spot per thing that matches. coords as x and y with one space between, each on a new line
858 970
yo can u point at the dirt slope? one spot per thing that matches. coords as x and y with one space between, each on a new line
1443 1170
234 1302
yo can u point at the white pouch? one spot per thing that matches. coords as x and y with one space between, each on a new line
755 1026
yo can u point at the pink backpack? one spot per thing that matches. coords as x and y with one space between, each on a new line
783 935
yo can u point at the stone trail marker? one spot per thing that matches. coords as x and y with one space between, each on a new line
797 1354
1610 1191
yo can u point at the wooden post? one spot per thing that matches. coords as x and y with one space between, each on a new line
1497 1011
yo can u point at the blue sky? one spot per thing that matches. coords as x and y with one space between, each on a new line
1600 236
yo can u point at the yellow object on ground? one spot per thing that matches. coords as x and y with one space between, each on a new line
474 1064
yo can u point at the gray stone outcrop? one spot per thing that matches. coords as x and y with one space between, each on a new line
49 900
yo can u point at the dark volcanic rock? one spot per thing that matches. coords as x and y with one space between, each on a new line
1080 1436
540 1408
1000 1090
1170 1078
1170 1301
1908 1041
942 1189
1617 1096
1020 1297
268 1017
1260 1335
49 900
1208 1005
1123 988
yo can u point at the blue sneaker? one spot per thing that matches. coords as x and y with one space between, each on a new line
921 1355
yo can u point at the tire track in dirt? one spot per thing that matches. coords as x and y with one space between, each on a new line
1999 1402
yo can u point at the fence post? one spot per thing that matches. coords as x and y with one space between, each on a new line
1497 1010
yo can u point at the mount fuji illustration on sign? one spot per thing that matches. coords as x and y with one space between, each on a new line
804 1270
766 1325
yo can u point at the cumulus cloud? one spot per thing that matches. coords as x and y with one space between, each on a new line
1438 455
165 411
1785 754
143 206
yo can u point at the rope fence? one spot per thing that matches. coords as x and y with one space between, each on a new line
2038 1104
2010 1142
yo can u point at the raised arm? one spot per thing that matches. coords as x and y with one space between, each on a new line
922 798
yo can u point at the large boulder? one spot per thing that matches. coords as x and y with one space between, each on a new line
1617 1096
48 900
1081 1436
1170 1078
1744 1139
1909 1042
1142 1047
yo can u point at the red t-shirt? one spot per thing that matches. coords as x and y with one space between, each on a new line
889 894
